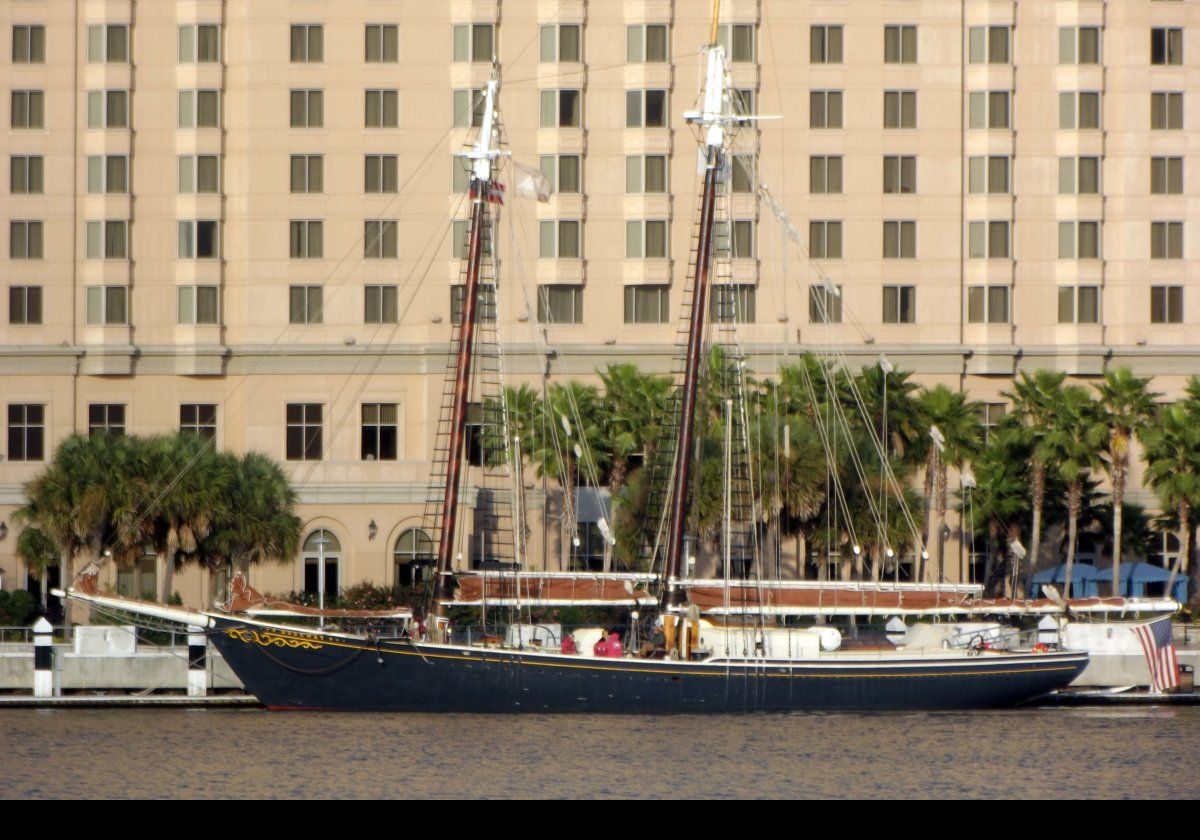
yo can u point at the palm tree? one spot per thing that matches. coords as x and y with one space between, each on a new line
957 420
1073 442
1033 399
1128 405
39 552
998 506
633 410
1172 450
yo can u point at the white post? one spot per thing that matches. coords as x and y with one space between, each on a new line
43 659
197 676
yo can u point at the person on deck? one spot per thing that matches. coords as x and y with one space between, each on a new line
601 646
568 644
615 649
656 642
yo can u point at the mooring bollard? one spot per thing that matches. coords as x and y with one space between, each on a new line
43 659
197 679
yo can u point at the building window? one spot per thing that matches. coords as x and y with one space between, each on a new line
308 173
108 240
1079 305
825 240
468 108
646 174
305 305
1164 552
380 305
900 45
199 174
825 174
561 42
306 239
24 305
742 174
106 419
108 44
1166 111
26 175
1079 109
560 304
988 240
461 235
485 303
108 108
380 432
899 240
29 45
28 109
987 304
1078 240
741 101
383 43
738 41
587 552
1166 176
899 109
26 432
307 108
647 304
199 240
199 43
563 172
199 419
381 174
1166 304
304 431
199 109
308 43
475 42
646 43
1079 45
825 109
1166 240
899 304
645 240
199 305
139 579
107 305
989 44
414 557
734 303
988 175
825 45
562 108
990 415
25 240
462 171
1079 175
645 108
382 109
900 174
736 242
988 109
825 304
322 547
380 239
559 239
1166 46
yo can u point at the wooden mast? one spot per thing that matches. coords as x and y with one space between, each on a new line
713 119
481 187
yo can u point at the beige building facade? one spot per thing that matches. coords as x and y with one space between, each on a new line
238 216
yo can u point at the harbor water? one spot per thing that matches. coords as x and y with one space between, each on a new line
174 753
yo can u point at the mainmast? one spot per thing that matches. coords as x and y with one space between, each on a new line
713 119
482 156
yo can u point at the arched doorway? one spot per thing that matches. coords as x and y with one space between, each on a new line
313 555
414 557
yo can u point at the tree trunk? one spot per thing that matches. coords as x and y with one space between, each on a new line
66 579
931 462
1183 511
1074 502
801 555
1039 497
1118 500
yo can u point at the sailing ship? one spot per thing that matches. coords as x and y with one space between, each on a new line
700 665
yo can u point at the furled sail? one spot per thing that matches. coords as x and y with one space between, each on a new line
527 589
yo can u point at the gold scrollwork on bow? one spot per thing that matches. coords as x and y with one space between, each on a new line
268 638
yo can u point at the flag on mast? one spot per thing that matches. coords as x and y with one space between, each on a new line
495 193
532 183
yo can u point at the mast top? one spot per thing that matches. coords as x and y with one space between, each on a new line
712 40
485 149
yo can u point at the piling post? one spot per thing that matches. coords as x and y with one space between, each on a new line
197 676
43 658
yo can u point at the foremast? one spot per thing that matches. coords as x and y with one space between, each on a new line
482 157
713 120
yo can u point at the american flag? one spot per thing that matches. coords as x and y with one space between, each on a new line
1159 648
495 194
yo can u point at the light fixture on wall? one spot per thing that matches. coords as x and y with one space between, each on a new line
3 531
372 530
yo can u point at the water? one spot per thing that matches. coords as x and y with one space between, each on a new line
166 753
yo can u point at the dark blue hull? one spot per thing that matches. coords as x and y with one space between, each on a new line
289 669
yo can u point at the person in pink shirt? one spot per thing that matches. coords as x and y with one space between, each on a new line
601 647
614 648
568 644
